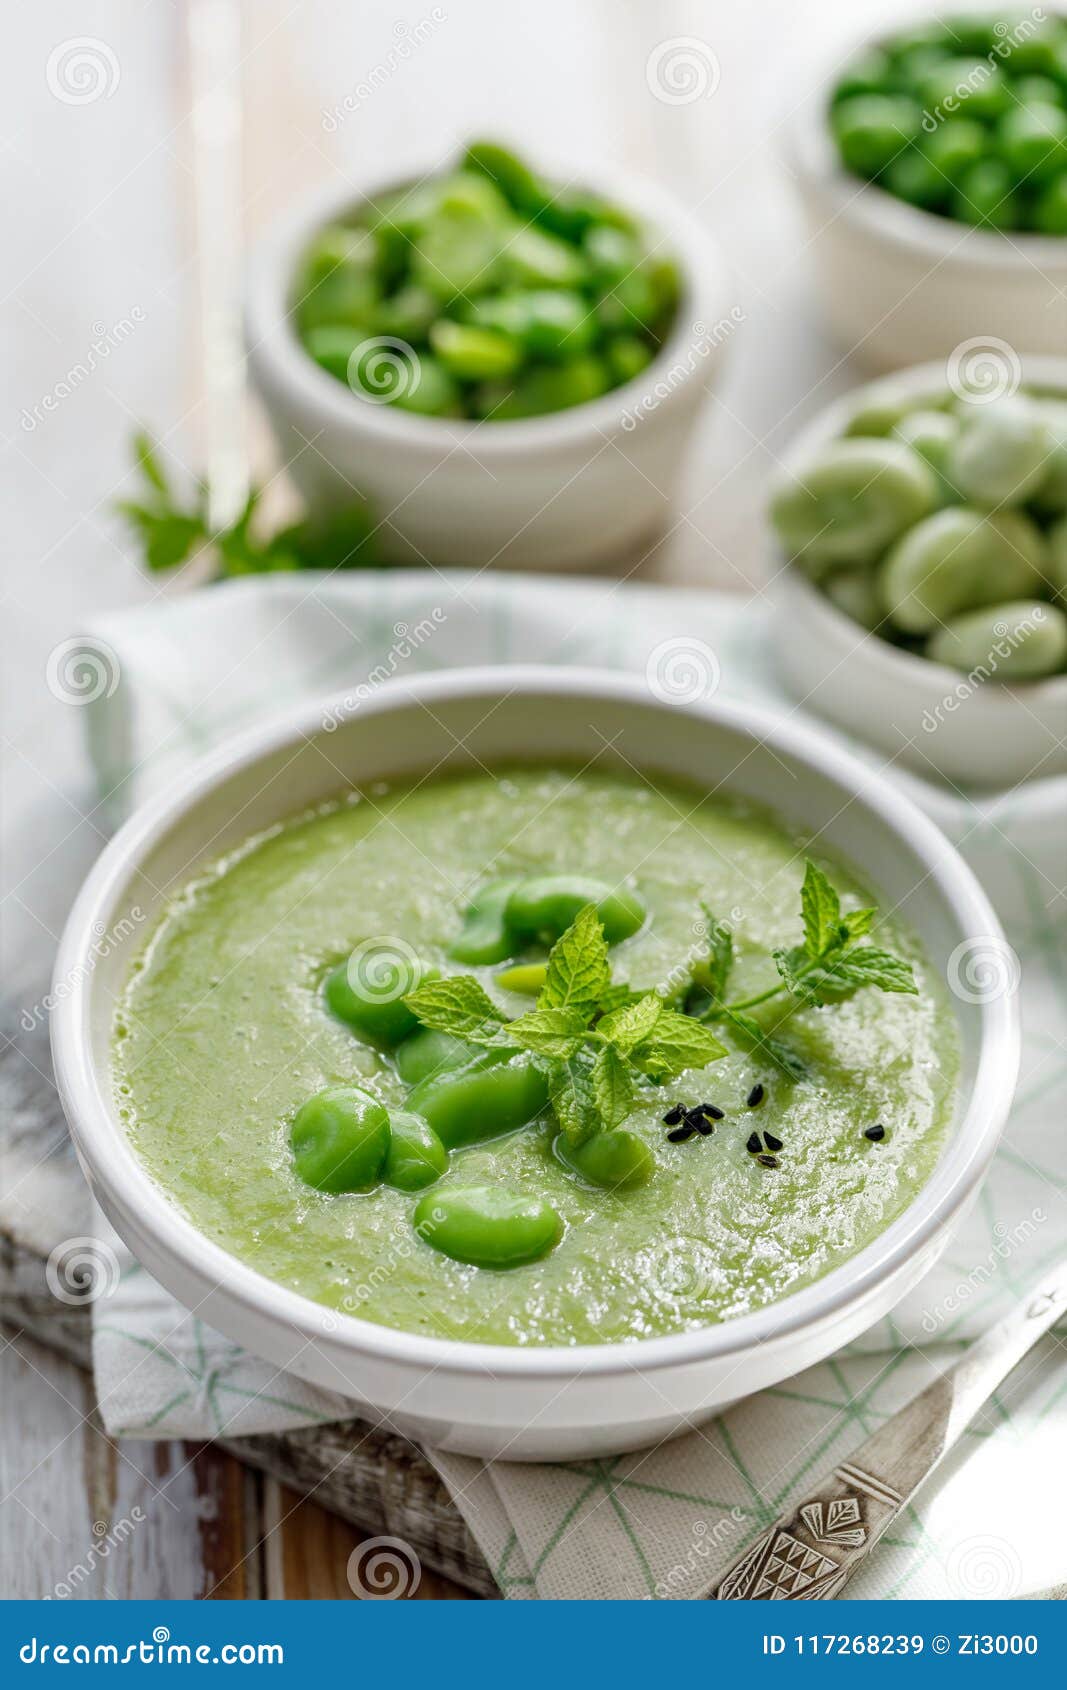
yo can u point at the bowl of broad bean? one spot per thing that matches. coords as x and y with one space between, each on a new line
507 364
920 532
931 164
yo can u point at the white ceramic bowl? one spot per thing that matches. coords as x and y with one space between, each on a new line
554 492
897 284
526 1404
933 719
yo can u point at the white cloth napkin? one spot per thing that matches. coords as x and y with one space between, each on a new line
184 673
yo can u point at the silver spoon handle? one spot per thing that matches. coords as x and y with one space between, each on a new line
811 1552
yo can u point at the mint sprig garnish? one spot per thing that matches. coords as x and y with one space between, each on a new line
831 964
593 1058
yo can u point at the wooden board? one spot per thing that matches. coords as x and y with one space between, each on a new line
289 1532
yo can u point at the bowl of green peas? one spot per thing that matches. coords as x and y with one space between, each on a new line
920 550
507 364
931 163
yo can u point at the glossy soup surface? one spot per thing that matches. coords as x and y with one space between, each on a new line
223 1033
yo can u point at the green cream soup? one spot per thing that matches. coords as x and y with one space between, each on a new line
229 1025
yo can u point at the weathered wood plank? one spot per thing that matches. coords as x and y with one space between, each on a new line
373 1480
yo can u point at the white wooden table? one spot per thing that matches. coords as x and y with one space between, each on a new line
100 331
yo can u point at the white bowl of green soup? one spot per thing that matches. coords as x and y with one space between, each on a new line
541 1063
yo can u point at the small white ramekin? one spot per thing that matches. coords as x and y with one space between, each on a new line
933 719
899 285
556 492
491 1400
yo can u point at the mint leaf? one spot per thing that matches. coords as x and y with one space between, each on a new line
618 997
570 1090
776 1050
549 1032
795 967
676 1043
578 969
147 460
859 922
821 909
626 1027
866 965
713 974
458 1006
613 1087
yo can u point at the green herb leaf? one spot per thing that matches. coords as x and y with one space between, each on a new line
626 1027
714 973
578 969
459 1006
147 460
821 909
774 1049
618 997
549 1032
859 922
866 965
676 1043
570 1090
613 1087
796 968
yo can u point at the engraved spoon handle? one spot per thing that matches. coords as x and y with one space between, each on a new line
811 1552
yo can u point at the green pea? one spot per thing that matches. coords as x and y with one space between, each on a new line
416 1156
488 1226
867 73
616 1160
954 146
527 978
427 1051
474 354
544 907
549 387
957 560
913 177
610 253
471 193
1000 455
871 129
972 83
854 593
1041 51
985 196
573 211
367 991
1037 91
533 259
1021 641
851 500
407 314
485 936
1033 140
1050 211
633 304
489 1096
628 355
340 1139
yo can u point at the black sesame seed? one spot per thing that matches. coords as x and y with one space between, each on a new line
705 1127
673 1115
875 1133
753 1145
755 1097
771 1142
713 1110
680 1134
767 1161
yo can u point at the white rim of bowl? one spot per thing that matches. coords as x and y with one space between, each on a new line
1038 370
270 334
104 1146
884 216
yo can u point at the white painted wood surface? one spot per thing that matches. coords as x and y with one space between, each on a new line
99 269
